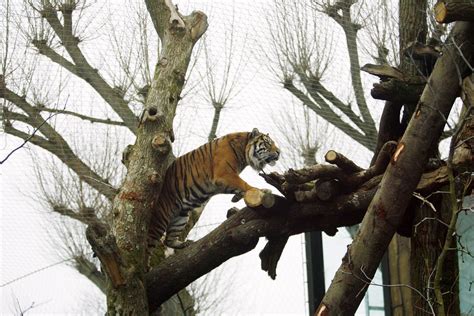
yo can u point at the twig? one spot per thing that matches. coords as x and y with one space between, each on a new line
369 282
34 272
425 201
28 139
84 117
429 218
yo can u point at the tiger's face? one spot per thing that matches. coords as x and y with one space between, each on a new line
261 150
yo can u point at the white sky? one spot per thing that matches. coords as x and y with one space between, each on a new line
26 226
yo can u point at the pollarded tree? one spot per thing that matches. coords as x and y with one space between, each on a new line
83 185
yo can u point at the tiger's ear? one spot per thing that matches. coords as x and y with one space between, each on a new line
254 133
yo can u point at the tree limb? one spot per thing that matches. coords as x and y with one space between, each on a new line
47 51
147 164
240 234
89 270
320 107
104 246
350 31
53 142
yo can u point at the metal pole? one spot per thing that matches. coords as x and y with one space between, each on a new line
315 269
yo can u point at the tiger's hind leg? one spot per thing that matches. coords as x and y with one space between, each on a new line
178 244
175 230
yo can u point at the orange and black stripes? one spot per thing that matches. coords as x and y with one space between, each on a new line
198 175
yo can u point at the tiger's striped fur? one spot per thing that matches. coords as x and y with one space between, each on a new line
208 170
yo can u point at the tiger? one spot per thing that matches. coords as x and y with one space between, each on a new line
192 179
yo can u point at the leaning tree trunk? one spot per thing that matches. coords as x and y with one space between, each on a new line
122 251
412 27
387 208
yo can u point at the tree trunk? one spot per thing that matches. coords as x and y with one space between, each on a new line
149 158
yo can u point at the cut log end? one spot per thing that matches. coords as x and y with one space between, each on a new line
440 12
330 156
256 197
342 162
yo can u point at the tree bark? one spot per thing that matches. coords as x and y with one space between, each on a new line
149 158
387 208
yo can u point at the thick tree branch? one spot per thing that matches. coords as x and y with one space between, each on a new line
89 270
104 245
164 16
350 29
397 91
148 160
215 120
81 67
52 142
240 234
47 51
395 86
320 107
315 86
85 215
387 208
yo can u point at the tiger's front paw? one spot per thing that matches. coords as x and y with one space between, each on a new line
237 197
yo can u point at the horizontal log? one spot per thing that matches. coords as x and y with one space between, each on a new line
447 12
341 161
349 181
397 91
304 175
322 190
256 197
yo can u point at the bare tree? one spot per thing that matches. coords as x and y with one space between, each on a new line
304 52
82 187
221 78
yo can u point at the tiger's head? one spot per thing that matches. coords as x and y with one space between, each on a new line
261 150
